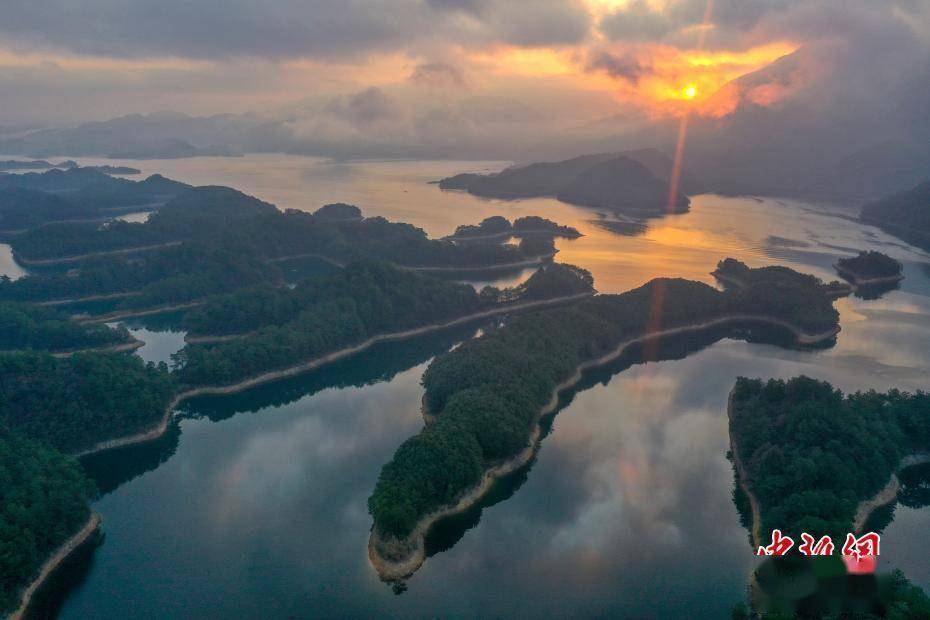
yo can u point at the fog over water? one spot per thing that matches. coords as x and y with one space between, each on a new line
257 507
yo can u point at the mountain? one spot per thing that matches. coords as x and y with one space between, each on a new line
905 215
635 182
623 185
136 136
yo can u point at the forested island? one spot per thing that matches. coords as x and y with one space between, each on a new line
870 268
811 456
497 228
734 273
488 395
808 459
905 215
633 183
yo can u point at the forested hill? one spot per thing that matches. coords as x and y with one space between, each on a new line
74 194
192 213
343 310
45 499
75 402
487 393
811 454
235 252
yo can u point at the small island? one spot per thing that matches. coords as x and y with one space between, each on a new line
734 273
498 228
484 400
870 269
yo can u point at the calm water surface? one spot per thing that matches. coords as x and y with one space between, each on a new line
255 505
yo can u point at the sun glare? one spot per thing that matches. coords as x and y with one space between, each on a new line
690 91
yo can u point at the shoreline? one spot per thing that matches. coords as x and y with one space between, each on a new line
120 347
52 563
743 480
208 339
530 262
535 232
856 281
159 429
79 300
888 494
832 293
35 262
128 314
413 546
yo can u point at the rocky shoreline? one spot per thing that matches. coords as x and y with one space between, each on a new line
52 563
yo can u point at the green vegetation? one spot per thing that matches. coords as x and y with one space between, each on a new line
341 310
76 402
735 273
32 199
870 265
812 455
194 212
339 212
43 501
488 392
26 326
500 227
234 250
905 215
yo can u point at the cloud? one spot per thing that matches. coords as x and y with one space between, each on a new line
636 22
626 67
220 29
438 74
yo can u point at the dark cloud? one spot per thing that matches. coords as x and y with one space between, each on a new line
626 67
218 29
438 74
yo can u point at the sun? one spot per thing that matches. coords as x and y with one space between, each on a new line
690 91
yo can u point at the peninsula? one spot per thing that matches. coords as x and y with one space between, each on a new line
486 398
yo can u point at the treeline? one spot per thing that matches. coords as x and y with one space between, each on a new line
26 326
871 264
32 199
488 392
44 500
194 212
736 273
341 310
76 402
498 225
234 252
811 454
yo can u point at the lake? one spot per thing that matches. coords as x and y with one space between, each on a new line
255 504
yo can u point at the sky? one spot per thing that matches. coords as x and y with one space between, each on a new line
467 76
